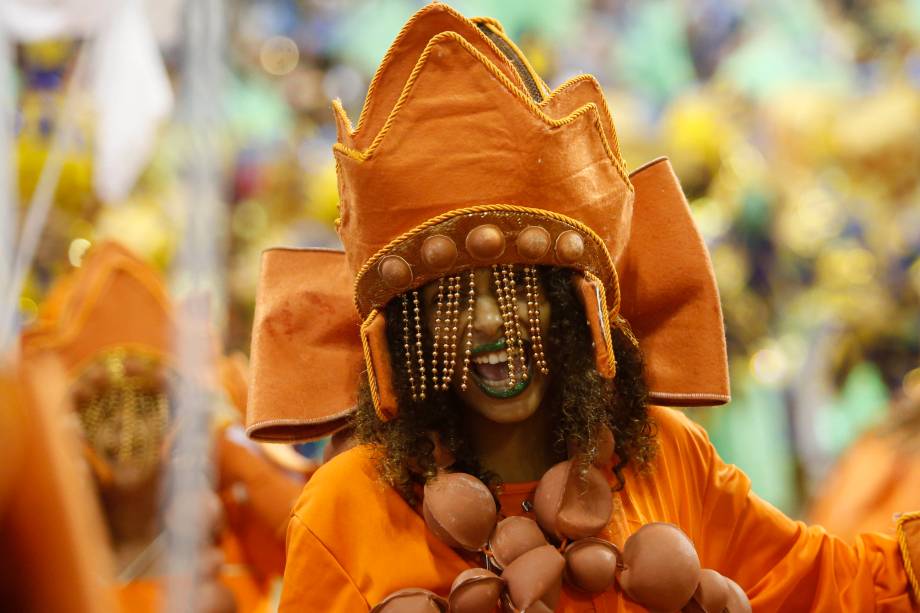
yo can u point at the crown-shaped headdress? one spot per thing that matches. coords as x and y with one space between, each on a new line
462 158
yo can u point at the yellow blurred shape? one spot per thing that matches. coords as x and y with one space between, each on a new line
279 55
844 266
769 365
731 270
77 250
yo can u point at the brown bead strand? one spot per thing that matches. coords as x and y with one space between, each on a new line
533 316
454 325
500 275
419 346
468 349
409 366
448 315
439 312
513 336
518 339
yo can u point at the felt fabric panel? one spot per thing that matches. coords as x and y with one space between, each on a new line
669 295
306 348
399 61
781 564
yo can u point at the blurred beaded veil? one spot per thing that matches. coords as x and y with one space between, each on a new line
463 158
110 324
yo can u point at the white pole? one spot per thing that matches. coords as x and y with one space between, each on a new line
8 186
197 290
40 204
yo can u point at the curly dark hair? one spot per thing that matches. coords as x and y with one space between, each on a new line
581 399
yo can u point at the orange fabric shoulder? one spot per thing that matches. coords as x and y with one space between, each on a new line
357 541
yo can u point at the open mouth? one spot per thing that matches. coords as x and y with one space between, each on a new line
490 367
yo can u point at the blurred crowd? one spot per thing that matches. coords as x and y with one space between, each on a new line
794 127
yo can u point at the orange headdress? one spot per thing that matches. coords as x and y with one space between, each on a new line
462 158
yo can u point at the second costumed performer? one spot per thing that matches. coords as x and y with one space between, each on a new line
510 305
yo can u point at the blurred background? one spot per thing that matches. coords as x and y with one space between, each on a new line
794 126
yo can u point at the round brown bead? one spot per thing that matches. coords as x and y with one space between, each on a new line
570 247
439 252
533 242
395 272
485 242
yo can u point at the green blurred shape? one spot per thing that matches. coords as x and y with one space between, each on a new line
363 36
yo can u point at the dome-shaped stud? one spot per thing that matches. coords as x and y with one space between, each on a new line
485 242
533 242
395 272
570 247
439 253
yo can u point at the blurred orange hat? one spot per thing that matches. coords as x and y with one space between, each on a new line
113 300
463 158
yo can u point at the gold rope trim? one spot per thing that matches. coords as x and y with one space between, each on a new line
905 552
621 323
612 360
369 363
518 93
610 271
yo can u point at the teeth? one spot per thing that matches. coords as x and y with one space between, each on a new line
493 357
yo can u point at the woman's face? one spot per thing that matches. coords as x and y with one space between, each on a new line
125 425
490 389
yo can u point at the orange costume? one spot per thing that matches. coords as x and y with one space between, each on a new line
783 565
464 159
116 302
877 477
51 560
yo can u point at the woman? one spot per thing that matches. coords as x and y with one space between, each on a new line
110 323
521 300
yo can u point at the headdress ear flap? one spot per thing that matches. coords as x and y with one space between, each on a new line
379 369
591 292
669 295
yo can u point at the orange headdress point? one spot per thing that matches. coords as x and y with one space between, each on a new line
110 320
462 158
113 301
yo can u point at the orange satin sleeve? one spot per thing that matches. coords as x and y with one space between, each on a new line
784 565
141 596
313 579
258 516
876 478
352 541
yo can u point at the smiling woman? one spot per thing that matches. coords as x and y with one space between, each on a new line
521 302
547 412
